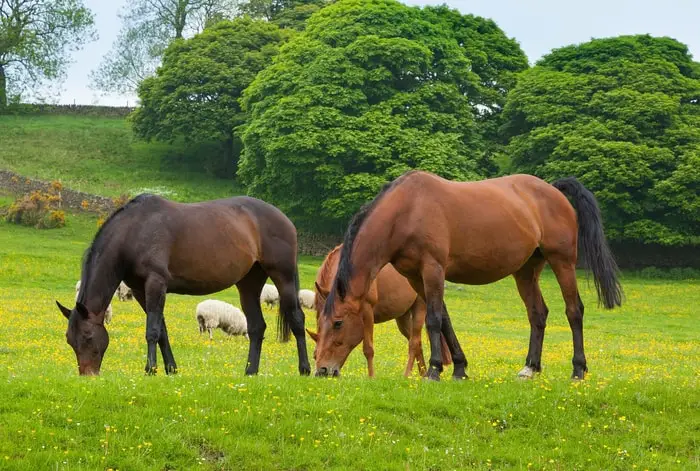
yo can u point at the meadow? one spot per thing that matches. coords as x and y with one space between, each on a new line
100 155
637 409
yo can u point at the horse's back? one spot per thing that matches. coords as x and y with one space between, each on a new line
484 230
211 245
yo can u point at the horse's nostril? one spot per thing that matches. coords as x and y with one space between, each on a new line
336 373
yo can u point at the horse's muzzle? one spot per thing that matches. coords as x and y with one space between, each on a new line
323 371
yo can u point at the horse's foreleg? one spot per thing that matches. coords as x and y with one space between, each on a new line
167 351
458 357
415 347
155 290
368 341
527 280
432 286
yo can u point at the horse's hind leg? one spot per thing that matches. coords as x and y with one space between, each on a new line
527 280
284 279
565 271
249 289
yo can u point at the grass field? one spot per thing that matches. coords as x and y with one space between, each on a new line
637 409
101 156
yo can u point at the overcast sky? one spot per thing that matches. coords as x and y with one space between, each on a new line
539 26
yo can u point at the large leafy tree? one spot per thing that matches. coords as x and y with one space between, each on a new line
194 94
148 26
36 37
371 89
622 115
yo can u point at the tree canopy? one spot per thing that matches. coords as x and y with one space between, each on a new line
623 116
148 27
36 37
371 89
194 93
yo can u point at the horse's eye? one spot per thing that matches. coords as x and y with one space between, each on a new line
337 324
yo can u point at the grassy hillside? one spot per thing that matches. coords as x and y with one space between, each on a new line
638 409
100 156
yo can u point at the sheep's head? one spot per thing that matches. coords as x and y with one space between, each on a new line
87 335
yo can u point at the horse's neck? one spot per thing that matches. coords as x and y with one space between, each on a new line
101 284
371 251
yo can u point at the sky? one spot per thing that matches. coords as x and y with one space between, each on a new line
538 25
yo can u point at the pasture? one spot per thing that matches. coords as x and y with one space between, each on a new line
637 409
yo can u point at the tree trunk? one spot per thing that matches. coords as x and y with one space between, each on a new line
3 87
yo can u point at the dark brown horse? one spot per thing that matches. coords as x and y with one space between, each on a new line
390 297
158 246
432 229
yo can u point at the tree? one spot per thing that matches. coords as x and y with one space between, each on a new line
371 89
284 13
622 115
36 37
194 94
148 26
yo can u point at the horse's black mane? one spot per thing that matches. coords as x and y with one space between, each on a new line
344 272
96 246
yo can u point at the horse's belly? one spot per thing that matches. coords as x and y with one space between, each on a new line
208 269
480 265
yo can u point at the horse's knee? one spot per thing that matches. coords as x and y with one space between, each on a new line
152 335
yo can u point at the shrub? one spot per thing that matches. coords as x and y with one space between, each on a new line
40 209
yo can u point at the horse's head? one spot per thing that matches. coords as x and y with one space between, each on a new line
340 330
87 336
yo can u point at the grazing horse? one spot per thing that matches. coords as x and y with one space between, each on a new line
158 246
390 297
432 229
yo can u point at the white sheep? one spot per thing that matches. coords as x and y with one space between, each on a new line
124 292
212 314
108 312
307 298
269 295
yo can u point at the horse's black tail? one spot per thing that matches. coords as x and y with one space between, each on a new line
284 321
591 239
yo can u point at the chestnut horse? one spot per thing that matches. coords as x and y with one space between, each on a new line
158 246
391 297
432 229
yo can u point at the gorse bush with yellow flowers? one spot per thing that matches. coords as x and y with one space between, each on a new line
39 209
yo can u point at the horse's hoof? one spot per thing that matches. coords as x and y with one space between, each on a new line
460 377
171 370
305 370
433 374
578 376
526 373
151 371
251 372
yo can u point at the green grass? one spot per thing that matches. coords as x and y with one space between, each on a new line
638 408
101 156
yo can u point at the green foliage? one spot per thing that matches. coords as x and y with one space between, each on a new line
147 29
194 94
290 14
623 116
371 89
35 39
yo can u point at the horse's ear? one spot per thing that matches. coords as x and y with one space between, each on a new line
313 335
321 291
64 310
80 307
